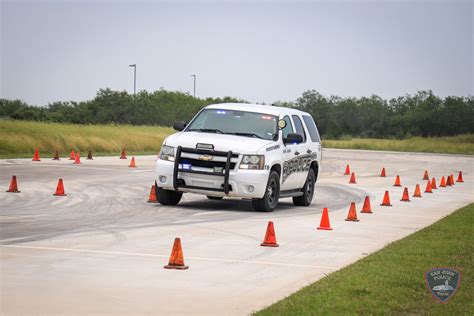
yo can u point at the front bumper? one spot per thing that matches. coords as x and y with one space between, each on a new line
231 182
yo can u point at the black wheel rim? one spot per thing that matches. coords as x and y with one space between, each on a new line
272 193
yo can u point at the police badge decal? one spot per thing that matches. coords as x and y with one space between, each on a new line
442 283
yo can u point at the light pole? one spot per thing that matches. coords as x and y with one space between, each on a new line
134 78
194 90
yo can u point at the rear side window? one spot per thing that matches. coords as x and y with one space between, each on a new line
299 127
288 128
313 131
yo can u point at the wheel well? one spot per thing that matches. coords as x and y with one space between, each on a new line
277 168
315 167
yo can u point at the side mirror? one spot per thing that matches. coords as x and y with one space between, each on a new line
179 125
293 138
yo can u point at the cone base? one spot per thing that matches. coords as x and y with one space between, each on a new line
12 191
152 201
72 158
429 192
170 266
55 194
264 244
396 185
123 157
324 228
385 204
460 181
353 182
351 220
367 212
347 174
417 196
405 200
35 159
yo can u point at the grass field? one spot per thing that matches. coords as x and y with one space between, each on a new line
391 281
20 138
462 144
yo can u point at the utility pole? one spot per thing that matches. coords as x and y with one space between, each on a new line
194 90
134 78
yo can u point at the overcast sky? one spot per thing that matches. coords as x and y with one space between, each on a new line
258 51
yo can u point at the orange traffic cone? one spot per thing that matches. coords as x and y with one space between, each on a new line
60 189
405 196
448 181
36 157
452 179
352 215
77 160
132 163
72 156
324 224
123 155
353 178
152 197
348 170
426 176
386 200
460 179
13 188
397 182
270 238
428 187
89 155
382 173
433 184
442 183
56 155
417 191
176 259
366 208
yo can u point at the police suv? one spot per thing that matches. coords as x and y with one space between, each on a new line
248 151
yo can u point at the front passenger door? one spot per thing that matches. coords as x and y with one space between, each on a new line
289 176
301 151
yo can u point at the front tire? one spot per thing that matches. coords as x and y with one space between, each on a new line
308 191
272 194
168 197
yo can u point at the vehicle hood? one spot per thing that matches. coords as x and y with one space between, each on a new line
221 142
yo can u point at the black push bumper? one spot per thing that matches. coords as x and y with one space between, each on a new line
226 171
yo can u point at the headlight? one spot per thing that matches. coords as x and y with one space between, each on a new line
167 153
255 162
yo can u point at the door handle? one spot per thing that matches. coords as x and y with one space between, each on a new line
296 153
309 151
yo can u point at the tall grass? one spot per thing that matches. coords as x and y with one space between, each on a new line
20 138
462 144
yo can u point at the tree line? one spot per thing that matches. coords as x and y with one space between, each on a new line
420 114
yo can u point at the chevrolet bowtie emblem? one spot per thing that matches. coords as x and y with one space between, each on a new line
205 157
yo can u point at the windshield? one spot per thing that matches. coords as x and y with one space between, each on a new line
240 123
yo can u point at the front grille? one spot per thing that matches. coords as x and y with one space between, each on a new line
205 164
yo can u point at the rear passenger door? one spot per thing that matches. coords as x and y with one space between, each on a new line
315 140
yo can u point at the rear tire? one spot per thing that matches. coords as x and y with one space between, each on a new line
168 197
308 191
215 197
272 194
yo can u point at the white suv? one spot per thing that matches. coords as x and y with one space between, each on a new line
248 151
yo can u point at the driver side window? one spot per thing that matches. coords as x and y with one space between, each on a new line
288 128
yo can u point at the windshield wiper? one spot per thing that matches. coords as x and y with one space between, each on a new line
207 130
248 134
